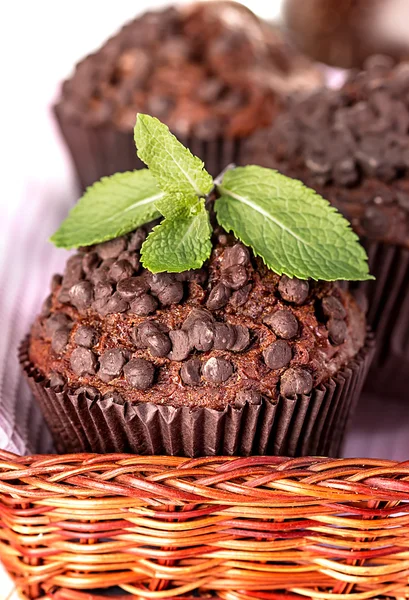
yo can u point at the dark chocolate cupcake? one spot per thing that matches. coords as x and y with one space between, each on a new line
176 337
352 146
213 72
228 359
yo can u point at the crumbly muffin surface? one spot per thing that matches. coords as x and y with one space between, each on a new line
226 334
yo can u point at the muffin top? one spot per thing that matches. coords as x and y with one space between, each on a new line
352 146
224 334
206 69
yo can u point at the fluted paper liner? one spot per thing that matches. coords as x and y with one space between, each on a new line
388 316
303 425
104 150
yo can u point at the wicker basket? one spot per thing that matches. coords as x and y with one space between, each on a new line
261 528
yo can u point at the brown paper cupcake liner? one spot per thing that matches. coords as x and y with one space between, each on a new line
303 425
100 151
388 316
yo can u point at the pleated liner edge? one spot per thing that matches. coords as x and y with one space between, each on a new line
304 425
388 316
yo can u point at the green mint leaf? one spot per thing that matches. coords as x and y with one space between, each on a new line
293 229
175 204
109 208
173 166
179 244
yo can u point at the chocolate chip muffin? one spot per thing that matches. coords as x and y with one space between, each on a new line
352 146
228 359
213 72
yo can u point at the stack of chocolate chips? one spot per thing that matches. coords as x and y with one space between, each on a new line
120 327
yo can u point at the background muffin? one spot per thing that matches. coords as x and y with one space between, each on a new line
352 146
212 71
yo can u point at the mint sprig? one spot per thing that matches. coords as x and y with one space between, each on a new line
293 229
179 244
109 208
173 166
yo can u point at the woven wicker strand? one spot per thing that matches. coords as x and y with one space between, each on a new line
73 527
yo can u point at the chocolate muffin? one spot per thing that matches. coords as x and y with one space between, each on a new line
228 359
344 33
352 146
213 72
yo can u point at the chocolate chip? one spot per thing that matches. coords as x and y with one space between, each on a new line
88 391
56 281
143 305
240 297
218 297
56 321
90 262
111 363
102 291
217 370
235 255
136 240
73 271
83 361
295 381
333 308
121 269
64 296
190 371
111 249
59 340
283 323
81 295
145 330
139 373
337 331
171 294
132 287
115 304
101 274
248 397
132 258
278 354
194 315
86 336
242 338
224 336
234 277
56 380
46 306
293 290
159 281
159 344
201 335
180 345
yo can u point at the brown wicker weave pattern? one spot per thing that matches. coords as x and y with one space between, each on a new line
227 528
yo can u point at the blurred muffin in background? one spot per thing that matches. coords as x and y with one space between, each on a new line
343 33
352 146
212 71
